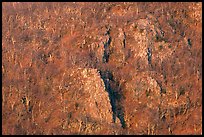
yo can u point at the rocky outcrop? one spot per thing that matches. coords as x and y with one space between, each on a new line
76 99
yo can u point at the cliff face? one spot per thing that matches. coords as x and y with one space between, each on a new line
102 68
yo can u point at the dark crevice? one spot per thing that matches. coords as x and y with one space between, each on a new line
162 88
115 96
30 107
23 100
189 43
108 31
124 40
149 56
106 53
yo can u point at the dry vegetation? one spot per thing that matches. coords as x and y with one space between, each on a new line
72 68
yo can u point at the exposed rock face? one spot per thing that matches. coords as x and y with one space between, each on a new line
85 100
102 68
75 100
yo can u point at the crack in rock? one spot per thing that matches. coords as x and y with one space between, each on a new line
106 53
113 89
